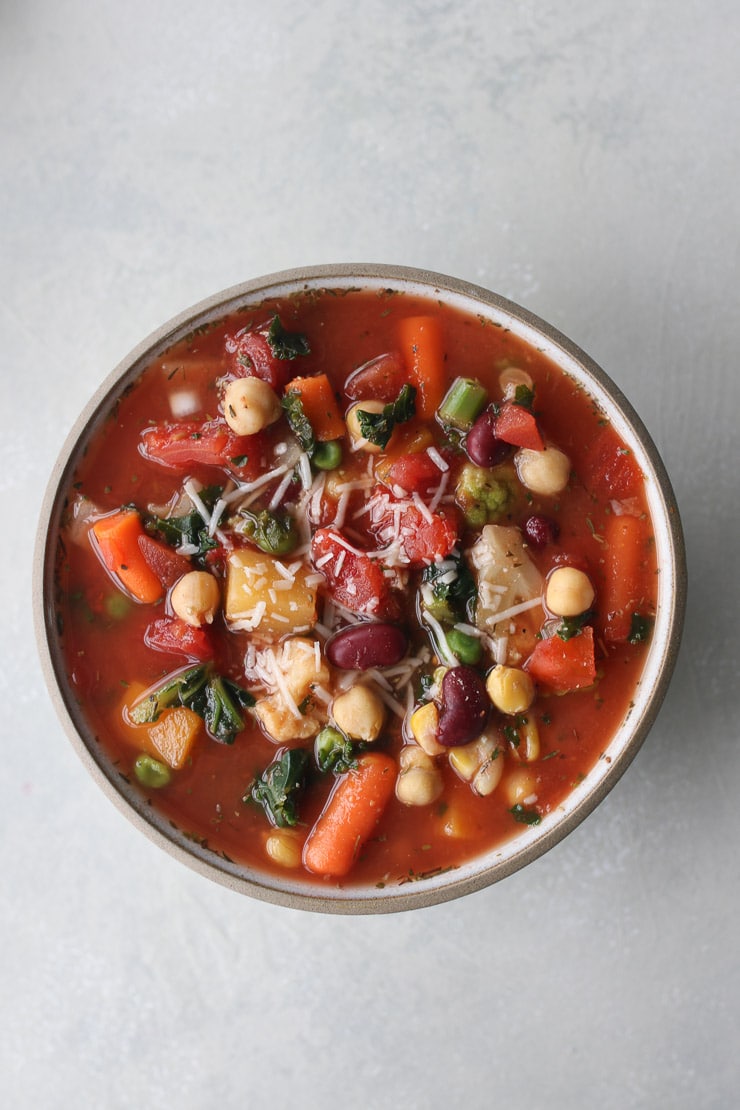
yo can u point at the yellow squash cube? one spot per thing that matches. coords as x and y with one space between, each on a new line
262 599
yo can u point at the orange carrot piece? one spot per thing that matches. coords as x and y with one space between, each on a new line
320 406
349 817
624 552
423 350
117 538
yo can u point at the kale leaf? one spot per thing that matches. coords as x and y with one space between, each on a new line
377 427
573 626
334 751
273 533
189 528
286 344
299 423
525 816
216 699
449 599
278 785
640 629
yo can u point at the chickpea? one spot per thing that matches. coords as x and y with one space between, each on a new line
511 378
195 598
357 439
250 405
510 689
359 713
284 847
568 592
546 472
419 781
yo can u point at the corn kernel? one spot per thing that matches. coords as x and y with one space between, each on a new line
511 690
284 848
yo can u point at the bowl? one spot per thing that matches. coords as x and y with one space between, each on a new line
530 843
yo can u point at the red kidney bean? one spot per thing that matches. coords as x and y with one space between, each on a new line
465 707
481 444
370 644
541 530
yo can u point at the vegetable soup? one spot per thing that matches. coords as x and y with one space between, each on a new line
355 586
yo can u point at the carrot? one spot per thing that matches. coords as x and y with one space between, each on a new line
349 817
624 552
421 343
320 406
117 538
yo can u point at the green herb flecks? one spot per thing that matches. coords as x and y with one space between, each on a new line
524 397
377 427
525 816
573 626
277 788
286 344
640 629
273 533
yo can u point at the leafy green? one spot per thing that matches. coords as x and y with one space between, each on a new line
524 397
286 344
483 497
449 600
278 785
525 816
189 528
334 751
377 427
640 629
216 699
573 626
271 532
299 423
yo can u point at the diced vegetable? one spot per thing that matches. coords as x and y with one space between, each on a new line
516 425
463 403
422 536
353 578
189 443
505 574
350 816
413 473
166 563
383 378
483 495
563 665
174 734
423 351
117 539
174 635
215 699
624 550
319 405
258 596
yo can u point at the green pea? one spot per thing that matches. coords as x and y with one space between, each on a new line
327 456
117 606
467 648
151 772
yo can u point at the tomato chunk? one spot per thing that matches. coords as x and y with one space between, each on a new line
381 379
423 537
518 426
166 563
253 358
415 473
190 443
173 635
564 665
611 470
353 578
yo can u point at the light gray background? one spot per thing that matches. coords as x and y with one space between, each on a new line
580 158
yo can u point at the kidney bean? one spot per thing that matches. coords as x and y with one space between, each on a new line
465 707
541 530
371 644
481 444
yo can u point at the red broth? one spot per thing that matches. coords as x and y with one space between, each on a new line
107 634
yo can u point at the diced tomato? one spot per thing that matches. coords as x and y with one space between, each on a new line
359 583
190 443
415 473
610 469
518 426
175 636
253 358
564 665
166 563
381 379
422 540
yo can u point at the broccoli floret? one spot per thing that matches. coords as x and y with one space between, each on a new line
483 497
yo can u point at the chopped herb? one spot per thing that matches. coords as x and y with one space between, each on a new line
334 751
573 626
240 460
377 427
189 528
524 397
525 816
640 629
286 344
276 788
299 423
449 599
273 533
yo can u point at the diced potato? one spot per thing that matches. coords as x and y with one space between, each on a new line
174 734
505 575
260 599
281 724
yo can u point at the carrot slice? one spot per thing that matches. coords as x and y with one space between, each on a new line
624 551
349 817
423 350
117 538
320 406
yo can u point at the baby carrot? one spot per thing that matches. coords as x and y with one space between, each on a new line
349 817
624 552
320 406
117 538
423 351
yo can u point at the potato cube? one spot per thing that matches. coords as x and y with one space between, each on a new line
174 734
260 599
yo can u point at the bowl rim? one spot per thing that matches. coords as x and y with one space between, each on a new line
489 867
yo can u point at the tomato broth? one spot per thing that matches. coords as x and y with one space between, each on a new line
396 522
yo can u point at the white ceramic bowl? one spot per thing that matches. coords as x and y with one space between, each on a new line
661 653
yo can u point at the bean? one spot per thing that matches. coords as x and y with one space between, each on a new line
481 444
465 707
372 644
541 530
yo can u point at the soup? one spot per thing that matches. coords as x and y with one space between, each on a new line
355 586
